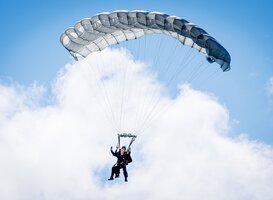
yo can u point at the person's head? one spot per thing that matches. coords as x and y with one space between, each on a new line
123 149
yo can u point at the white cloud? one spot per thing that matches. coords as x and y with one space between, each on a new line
269 87
61 151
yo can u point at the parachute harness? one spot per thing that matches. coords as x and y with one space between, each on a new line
127 135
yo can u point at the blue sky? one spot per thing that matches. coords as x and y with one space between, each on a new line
31 51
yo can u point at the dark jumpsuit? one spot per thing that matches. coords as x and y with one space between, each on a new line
122 161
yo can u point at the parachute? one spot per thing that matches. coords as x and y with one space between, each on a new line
106 29
118 27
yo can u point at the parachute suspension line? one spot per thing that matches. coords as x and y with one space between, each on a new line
169 62
135 90
174 70
138 87
164 109
124 84
193 70
154 102
150 104
102 97
142 103
145 46
196 74
203 71
178 70
118 83
122 97
98 100
138 50
215 73
184 64
155 115
147 102
105 92
115 64
147 116
197 71
158 50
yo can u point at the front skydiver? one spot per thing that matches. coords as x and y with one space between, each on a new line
123 158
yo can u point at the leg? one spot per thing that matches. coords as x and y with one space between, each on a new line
125 173
112 173
117 171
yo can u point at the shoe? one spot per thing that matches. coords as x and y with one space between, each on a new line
117 175
126 180
111 178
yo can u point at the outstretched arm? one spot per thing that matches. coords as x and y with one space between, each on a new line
113 153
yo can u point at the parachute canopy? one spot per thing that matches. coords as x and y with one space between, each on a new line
106 29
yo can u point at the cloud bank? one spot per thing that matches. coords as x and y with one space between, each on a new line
61 150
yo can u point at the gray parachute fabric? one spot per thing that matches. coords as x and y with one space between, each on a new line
106 29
